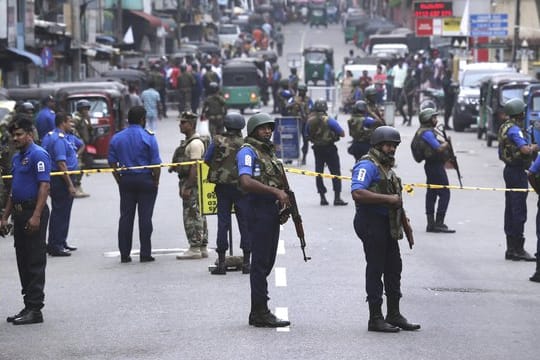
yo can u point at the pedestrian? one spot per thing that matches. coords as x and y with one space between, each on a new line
407 96
276 79
261 177
45 117
159 84
399 73
83 130
361 126
135 146
151 102
191 149
427 145
186 82
517 154
223 171
279 39
27 205
450 92
365 80
197 90
64 158
301 106
323 131
209 76
376 189
134 98
214 109
293 80
328 79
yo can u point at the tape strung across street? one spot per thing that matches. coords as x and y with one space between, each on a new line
409 188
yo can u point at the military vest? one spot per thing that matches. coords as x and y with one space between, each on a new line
508 151
83 128
300 107
180 156
320 133
215 106
223 167
374 112
358 131
389 184
267 168
421 150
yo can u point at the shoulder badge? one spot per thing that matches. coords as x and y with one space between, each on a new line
149 131
50 132
61 135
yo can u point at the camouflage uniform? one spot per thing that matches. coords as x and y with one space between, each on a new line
214 109
374 112
186 81
209 77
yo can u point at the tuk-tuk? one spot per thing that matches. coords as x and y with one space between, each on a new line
495 91
270 55
317 15
241 85
314 59
531 97
353 27
34 94
127 76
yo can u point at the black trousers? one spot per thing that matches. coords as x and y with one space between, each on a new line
227 197
436 175
31 253
327 155
383 259
515 203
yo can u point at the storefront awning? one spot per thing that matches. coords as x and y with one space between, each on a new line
30 56
154 21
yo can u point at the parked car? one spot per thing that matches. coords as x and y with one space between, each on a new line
228 33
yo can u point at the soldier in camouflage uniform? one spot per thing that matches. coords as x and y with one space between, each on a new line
370 95
186 82
82 128
209 77
221 158
300 106
214 109
361 126
190 149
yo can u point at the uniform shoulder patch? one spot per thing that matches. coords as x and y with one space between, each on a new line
50 132
149 131
61 135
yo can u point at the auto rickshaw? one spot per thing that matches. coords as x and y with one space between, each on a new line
353 27
128 76
317 15
314 59
241 84
531 96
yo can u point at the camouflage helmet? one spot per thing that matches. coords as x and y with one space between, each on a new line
385 134
514 107
257 120
370 91
302 87
426 115
234 121
81 104
359 107
320 106
427 104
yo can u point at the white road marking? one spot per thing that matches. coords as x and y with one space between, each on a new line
283 314
281 247
172 251
281 276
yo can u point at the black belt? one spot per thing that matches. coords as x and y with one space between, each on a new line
24 205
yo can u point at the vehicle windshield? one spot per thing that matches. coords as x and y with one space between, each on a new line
316 57
536 103
3 113
471 78
247 78
98 106
227 30
508 93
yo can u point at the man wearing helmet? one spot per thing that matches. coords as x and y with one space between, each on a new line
323 131
376 189
209 77
221 159
261 177
517 154
361 127
300 106
214 109
82 128
370 96
426 145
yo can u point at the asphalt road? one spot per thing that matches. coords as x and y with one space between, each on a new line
472 304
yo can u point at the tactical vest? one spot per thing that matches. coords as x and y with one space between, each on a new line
223 167
83 128
215 106
299 107
389 184
357 130
180 156
421 150
508 151
320 133
267 168
374 112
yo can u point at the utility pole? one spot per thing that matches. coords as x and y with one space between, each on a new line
516 31
118 20
76 38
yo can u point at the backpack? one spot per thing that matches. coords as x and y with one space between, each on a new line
417 148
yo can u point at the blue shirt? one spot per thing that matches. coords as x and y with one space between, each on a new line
516 136
45 121
365 173
368 122
59 147
327 72
245 159
134 146
209 153
75 141
332 123
429 137
29 168
150 98
535 167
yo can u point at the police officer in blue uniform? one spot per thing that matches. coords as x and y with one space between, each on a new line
261 176
517 155
135 146
534 179
64 158
45 119
376 189
27 204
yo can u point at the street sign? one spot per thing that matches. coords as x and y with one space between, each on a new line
47 57
489 25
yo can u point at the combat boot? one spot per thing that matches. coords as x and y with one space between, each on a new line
204 251
194 252
338 201
394 317
324 202
376 320
536 275
431 224
520 252
304 160
260 316
246 265
221 268
510 253
441 226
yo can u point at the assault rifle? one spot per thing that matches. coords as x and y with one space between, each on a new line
295 214
407 229
451 153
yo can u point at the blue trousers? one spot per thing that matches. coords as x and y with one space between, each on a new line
61 204
436 175
383 259
327 155
137 193
515 203
538 229
227 197
264 232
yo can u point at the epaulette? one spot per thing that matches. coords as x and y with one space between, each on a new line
149 131
50 132
61 135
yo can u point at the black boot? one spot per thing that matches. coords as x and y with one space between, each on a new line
536 275
431 224
394 317
510 253
338 201
246 265
304 159
441 226
260 316
377 322
520 253
221 268
324 202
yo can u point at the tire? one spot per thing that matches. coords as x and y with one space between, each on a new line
242 110
489 140
459 127
479 133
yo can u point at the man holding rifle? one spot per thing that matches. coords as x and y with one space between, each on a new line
380 222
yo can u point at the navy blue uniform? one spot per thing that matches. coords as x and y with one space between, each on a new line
535 169
29 169
435 174
60 148
45 122
135 146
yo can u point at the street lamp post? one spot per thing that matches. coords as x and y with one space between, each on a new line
524 53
